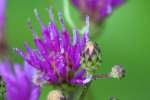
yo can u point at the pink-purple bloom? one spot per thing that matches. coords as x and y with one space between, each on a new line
18 82
96 9
57 55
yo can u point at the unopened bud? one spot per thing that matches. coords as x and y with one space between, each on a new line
55 95
117 72
91 57
2 89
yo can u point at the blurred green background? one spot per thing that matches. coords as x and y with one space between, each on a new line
125 40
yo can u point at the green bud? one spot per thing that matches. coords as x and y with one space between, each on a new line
91 57
2 89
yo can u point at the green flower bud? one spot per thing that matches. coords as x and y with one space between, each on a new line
2 89
91 57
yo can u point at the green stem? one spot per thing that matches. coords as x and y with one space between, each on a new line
67 13
90 96
96 76
85 90
100 76
69 19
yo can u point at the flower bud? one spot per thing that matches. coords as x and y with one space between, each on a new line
117 72
55 95
2 88
91 57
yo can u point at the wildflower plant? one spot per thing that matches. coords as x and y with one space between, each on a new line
63 61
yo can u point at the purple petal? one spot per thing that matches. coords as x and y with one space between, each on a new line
19 85
66 40
61 66
55 35
75 37
80 74
75 2
117 2
35 93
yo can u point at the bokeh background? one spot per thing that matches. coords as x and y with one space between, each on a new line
125 40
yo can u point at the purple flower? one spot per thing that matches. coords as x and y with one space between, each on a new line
56 55
18 82
96 9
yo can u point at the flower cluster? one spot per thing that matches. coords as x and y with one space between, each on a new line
18 81
57 56
96 9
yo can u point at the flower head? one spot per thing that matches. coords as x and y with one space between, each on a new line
117 72
96 9
91 57
58 56
18 82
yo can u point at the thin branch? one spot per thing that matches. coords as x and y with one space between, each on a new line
67 13
69 18
99 76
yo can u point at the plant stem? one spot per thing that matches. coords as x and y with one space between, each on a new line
99 76
67 13
96 76
69 19
85 90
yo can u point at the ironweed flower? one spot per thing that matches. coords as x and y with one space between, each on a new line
18 82
58 56
98 10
